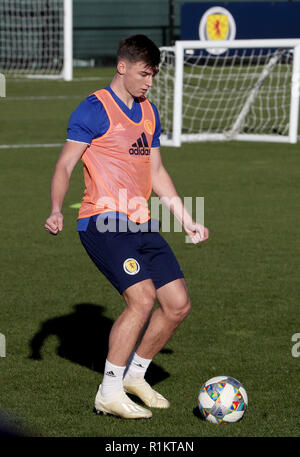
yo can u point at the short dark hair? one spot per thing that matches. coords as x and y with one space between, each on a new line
138 48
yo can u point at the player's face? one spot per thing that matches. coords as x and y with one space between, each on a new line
137 78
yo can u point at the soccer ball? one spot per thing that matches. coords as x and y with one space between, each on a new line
222 399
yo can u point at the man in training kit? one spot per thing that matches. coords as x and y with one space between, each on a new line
115 132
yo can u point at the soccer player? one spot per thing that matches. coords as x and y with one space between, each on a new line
115 132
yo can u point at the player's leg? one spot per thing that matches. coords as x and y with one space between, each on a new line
124 334
140 299
174 306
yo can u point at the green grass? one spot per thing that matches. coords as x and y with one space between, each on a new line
243 282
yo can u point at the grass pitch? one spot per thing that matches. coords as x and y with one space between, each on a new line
57 310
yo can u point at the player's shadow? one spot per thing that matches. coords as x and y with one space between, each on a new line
83 339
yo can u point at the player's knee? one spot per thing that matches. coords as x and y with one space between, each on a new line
180 310
188 307
141 305
146 304
185 308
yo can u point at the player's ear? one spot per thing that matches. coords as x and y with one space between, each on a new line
121 67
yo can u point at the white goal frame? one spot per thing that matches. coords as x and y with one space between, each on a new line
66 72
180 47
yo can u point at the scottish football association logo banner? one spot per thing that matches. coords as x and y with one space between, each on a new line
217 24
217 27
236 20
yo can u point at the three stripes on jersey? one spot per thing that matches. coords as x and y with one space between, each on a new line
140 147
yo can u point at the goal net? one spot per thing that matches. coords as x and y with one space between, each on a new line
36 38
229 90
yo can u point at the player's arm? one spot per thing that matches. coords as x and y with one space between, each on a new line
70 155
164 188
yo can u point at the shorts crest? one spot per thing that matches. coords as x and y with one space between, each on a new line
131 266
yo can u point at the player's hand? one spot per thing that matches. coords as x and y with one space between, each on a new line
197 232
54 223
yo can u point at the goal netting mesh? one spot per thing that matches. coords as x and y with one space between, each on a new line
31 37
241 91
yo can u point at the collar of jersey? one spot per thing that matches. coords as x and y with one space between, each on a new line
135 110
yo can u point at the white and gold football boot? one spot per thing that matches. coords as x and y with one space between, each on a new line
143 390
119 404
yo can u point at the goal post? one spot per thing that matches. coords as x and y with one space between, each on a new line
246 90
36 38
67 71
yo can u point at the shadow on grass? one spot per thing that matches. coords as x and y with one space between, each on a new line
83 339
196 412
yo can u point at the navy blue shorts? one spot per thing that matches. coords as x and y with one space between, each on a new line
127 257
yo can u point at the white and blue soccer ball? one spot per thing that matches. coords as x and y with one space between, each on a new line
222 400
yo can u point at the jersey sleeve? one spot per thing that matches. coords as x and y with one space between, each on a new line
157 132
88 121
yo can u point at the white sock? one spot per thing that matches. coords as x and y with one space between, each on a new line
137 367
112 379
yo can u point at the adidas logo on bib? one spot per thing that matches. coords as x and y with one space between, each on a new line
140 147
